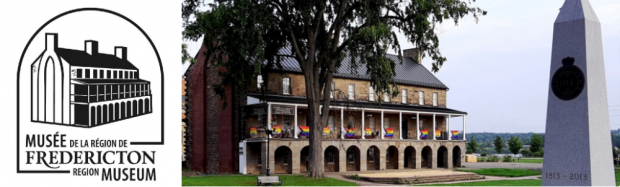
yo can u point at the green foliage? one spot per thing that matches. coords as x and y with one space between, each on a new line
507 158
354 177
540 153
527 182
498 144
505 172
526 152
250 180
530 160
485 139
480 159
614 152
537 143
472 146
493 158
484 154
514 145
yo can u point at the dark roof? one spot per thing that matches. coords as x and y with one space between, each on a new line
110 81
360 104
99 60
409 72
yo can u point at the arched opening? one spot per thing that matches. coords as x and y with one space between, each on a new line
456 156
304 159
442 157
112 117
99 115
353 158
331 159
93 116
427 157
140 107
372 158
105 114
123 114
118 112
134 108
391 158
147 106
128 113
410 157
283 160
48 90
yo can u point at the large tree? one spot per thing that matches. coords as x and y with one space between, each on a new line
472 145
537 143
514 144
248 35
498 144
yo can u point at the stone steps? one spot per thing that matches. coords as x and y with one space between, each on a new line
423 179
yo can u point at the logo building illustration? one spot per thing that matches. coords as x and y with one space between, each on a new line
85 88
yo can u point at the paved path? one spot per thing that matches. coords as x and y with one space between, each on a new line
359 182
509 165
487 178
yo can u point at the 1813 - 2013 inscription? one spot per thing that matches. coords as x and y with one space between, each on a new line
571 176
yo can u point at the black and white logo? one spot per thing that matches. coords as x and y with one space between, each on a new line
90 94
568 81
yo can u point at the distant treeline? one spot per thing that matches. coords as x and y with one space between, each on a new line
485 139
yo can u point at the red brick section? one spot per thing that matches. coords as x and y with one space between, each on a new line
212 145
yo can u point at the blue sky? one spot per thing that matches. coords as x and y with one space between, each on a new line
498 69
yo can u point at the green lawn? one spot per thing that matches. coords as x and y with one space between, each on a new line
529 182
250 180
504 172
529 160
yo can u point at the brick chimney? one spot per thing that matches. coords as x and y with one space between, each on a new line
51 41
120 52
413 53
91 47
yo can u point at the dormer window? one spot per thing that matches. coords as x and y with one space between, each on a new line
386 97
435 99
351 91
421 98
371 93
404 96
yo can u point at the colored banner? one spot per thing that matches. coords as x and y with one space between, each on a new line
253 131
368 132
455 135
389 132
277 130
326 131
424 134
305 130
438 133
350 132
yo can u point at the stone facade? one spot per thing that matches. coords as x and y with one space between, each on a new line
353 155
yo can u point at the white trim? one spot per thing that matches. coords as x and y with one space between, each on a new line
382 134
363 130
434 128
400 126
342 123
418 125
372 109
295 129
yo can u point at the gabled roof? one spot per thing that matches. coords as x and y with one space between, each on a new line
409 72
99 60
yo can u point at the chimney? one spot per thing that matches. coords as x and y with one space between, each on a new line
120 52
51 41
413 53
91 47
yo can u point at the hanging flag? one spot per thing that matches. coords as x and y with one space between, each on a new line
326 131
455 135
305 130
389 132
350 132
424 134
437 133
368 132
253 131
277 130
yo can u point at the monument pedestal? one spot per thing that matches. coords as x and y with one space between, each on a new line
577 141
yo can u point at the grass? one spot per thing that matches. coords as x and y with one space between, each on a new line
504 172
528 182
529 160
250 180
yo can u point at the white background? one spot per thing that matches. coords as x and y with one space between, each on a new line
19 21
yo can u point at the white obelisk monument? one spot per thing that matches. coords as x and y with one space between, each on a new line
577 137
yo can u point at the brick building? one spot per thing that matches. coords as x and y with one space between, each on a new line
410 131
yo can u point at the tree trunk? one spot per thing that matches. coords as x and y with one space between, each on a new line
316 146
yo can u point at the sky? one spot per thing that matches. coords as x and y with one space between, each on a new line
498 68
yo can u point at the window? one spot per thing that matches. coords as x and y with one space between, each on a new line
371 93
126 77
331 92
386 97
330 123
101 74
371 123
351 121
287 121
286 85
421 98
79 73
116 74
95 74
386 122
351 156
109 74
259 81
87 72
435 99
404 96
351 91
261 121
330 156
